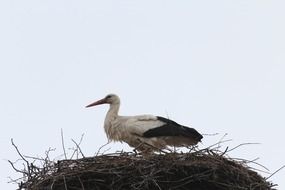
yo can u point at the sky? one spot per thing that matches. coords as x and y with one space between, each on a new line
217 66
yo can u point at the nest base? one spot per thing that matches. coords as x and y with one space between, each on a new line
195 171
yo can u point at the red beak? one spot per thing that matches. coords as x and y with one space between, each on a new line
102 101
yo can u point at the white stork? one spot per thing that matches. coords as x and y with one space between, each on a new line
146 133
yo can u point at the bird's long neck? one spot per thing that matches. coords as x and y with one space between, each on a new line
110 122
113 111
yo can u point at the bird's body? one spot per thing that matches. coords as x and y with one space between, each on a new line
145 132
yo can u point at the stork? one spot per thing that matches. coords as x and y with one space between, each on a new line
147 133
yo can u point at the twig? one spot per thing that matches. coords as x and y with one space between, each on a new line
221 140
27 163
254 162
226 151
19 151
259 170
62 142
51 186
65 185
210 134
17 170
241 145
78 147
81 183
209 147
156 184
101 148
106 150
35 158
15 180
47 160
275 172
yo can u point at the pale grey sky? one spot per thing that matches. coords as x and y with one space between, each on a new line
217 66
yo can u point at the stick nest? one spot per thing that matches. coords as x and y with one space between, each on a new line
198 170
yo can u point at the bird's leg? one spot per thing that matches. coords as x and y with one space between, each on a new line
137 147
192 148
149 145
143 149
155 147
135 151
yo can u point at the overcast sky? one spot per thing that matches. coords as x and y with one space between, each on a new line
217 66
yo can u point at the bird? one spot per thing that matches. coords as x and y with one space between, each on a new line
146 133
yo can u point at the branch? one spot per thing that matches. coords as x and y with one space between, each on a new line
241 145
78 147
17 170
275 172
101 148
62 142
27 163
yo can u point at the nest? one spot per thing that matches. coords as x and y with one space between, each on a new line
197 170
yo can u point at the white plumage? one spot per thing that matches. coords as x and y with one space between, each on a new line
145 132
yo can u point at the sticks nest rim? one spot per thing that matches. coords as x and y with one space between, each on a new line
207 169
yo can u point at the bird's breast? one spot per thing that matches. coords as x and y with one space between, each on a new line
115 130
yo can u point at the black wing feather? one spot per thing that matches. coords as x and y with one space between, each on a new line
171 128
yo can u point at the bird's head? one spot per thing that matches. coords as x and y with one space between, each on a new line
109 99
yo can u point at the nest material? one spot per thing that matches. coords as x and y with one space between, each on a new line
201 170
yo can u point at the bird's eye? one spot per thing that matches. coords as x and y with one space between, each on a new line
109 96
